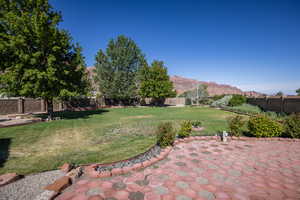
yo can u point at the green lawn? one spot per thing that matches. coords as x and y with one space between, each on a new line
94 136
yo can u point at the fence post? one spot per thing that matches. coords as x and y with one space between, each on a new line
60 106
43 107
282 104
20 105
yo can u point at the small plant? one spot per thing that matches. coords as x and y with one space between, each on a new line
263 126
236 125
196 124
292 126
165 134
237 100
185 129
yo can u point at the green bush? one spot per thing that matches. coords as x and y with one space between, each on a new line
185 129
165 134
196 123
188 101
263 126
292 126
236 125
237 100
217 97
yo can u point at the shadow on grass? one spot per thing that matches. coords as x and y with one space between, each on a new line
73 114
4 150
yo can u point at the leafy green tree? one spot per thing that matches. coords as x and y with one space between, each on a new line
117 67
298 92
279 93
155 83
37 58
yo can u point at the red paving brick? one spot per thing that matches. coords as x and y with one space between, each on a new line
239 170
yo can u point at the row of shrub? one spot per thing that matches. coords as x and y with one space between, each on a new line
166 133
262 125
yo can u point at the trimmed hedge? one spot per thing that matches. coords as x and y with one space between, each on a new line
236 125
292 126
165 134
237 100
263 126
185 129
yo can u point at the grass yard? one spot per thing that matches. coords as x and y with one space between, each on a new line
94 136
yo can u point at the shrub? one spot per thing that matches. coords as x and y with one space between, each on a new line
165 134
292 126
196 123
188 101
237 100
185 129
245 109
206 101
217 97
222 102
236 125
263 126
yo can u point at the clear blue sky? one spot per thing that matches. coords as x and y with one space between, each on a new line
254 45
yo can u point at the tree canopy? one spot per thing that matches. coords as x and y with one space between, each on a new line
155 82
298 92
116 69
37 58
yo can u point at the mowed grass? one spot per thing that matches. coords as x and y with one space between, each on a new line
94 136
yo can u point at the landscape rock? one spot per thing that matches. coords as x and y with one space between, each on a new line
66 167
8 178
59 184
75 173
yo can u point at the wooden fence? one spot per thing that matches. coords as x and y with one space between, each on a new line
277 104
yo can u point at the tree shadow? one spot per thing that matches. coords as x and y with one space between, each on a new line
73 114
4 150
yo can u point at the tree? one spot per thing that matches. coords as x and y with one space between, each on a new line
279 93
155 83
37 58
117 67
197 95
298 92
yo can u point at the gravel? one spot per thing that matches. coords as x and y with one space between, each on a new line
29 187
153 152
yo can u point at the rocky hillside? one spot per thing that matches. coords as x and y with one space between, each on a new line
182 84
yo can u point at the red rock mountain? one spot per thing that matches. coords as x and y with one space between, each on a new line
182 84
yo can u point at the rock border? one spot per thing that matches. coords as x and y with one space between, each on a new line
33 121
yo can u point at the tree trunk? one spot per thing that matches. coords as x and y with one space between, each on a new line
50 109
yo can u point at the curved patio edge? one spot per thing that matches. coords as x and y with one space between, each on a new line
91 171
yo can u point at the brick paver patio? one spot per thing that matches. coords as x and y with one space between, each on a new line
205 170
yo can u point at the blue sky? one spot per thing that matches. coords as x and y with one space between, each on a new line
254 45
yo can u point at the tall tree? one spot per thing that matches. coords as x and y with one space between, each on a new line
116 69
155 83
37 58
298 92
